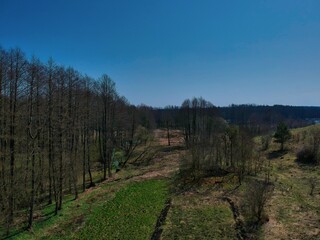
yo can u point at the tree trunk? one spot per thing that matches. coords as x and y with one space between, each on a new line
30 221
88 162
84 162
168 133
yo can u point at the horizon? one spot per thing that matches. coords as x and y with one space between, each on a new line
235 105
159 53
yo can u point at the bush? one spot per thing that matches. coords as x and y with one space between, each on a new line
307 155
256 196
265 142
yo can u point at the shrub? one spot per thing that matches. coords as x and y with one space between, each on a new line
307 155
265 142
256 196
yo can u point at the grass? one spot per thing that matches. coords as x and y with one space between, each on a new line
71 217
294 213
200 212
200 222
131 214
209 222
111 211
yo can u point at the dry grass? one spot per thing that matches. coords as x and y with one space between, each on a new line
199 215
293 213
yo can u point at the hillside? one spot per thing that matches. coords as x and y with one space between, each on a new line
293 212
150 201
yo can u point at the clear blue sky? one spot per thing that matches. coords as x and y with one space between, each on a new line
161 52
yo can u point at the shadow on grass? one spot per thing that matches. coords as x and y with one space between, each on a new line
39 222
21 230
306 165
277 154
188 179
13 234
172 148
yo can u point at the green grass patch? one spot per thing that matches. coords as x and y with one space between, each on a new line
72 216
131 214
112 211
202 222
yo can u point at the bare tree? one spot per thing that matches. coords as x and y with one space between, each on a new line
3 126
108 95
50 117
33 128
17 64
256 196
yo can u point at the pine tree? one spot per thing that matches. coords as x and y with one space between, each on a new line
282 134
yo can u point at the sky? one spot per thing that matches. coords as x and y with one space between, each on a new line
162 52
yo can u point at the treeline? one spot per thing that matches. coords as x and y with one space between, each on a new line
257 119
242 114
56 126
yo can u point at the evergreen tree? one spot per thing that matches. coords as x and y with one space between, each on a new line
282 134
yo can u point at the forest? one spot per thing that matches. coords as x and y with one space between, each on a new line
63 132
52 121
